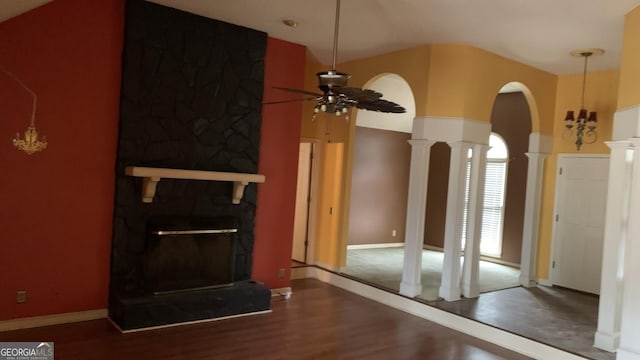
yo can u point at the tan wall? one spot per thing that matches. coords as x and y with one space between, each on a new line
629 91
464 80
411 64
601 95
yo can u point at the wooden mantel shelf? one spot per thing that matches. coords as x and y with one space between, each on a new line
153 175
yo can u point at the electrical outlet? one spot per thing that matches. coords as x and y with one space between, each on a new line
21 296
393 233
281 273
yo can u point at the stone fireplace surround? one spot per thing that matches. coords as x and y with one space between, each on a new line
190 99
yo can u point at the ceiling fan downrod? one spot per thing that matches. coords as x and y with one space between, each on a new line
335 36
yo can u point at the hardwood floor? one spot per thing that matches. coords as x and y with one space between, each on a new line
319 321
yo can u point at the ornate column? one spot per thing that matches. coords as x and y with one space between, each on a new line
630 325
610 306
416 207
450 285
471 267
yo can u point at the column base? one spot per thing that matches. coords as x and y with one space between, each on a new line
607 341
449 294
527 281
410 290
470 291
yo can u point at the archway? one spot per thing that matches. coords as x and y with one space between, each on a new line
379 178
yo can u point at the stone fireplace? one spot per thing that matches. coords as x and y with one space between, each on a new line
191 99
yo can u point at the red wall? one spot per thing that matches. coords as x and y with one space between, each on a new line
57 205
279 143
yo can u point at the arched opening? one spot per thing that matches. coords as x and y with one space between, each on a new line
511 120
379 183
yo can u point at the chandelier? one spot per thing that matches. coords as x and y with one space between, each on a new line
582 128
30 143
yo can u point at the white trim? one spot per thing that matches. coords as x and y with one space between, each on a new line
374 246
187 322
540 143
464 325
55 319
545 282
626 123
284 292
624 354
451 129
316 159
531 220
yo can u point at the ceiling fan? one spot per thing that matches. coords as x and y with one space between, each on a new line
336 96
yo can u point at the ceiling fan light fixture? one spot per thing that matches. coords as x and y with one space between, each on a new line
337 98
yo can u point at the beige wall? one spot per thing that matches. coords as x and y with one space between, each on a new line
629 91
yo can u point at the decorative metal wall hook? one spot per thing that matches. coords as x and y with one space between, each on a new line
30 143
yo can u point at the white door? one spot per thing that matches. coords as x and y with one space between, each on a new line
301 220
581 192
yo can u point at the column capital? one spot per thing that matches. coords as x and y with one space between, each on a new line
537 155
460 143
421 142
619 144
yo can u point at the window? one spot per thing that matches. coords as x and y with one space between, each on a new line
494 197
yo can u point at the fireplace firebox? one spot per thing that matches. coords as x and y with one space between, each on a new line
184 254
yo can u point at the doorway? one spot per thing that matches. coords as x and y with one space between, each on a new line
581 196
300 246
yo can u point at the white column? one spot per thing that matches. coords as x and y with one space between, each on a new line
450 285
416 207
531 224
630 327
471 267
610 306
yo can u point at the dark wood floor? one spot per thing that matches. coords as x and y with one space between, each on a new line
318 322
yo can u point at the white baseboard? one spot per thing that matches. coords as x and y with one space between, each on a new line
55 319
432 248
470 327
482 257
374 246
284 292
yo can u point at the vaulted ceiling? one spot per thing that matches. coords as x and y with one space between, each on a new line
540 33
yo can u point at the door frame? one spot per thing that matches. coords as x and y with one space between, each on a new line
556 203
312 214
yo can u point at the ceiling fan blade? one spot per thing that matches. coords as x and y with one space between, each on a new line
298 91
381 105
367 99
359 94
290 100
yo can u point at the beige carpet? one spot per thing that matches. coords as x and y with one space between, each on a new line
383 267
